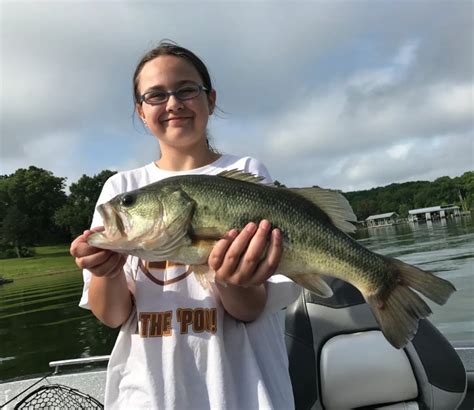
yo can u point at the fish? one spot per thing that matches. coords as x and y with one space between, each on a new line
179 219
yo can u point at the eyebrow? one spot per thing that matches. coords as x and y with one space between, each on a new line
177 85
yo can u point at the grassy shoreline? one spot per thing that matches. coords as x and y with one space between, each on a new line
49 260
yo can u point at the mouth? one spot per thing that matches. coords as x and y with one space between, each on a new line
175 120
112 222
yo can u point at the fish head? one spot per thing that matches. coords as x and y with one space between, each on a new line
143 221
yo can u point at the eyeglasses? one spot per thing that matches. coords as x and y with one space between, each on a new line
187 92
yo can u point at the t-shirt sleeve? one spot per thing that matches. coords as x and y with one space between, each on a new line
255 167
109 190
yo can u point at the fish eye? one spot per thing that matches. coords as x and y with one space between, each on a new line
127 200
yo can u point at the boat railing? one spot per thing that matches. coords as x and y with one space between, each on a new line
83 360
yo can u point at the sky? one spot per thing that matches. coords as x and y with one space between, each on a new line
346 95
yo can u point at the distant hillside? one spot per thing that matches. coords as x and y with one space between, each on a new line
410 195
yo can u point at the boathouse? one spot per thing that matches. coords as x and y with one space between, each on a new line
433 213
389 218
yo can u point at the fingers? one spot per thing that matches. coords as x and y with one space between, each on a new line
219 250
268 266
239 259
253 253
80 247
100 262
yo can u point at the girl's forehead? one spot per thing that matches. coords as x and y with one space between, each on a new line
167 71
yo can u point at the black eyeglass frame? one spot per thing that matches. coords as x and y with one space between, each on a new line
201 88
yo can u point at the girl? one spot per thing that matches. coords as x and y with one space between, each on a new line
180 345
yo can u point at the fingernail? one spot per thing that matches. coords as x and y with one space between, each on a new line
265 225
232 233
251 227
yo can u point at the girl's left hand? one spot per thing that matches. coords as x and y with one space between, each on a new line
237 258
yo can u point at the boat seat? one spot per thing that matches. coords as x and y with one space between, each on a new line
339 358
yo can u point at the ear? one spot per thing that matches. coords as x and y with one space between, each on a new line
139 110
211 98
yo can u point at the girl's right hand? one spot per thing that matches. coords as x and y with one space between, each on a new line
100 262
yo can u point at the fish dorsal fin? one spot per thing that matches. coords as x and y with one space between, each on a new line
333 204
241 176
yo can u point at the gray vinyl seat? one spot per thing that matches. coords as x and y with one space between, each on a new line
339 359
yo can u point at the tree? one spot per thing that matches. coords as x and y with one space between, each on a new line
30 197
15 227
465 185
403 210
76 214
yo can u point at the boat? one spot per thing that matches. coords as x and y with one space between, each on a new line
338 359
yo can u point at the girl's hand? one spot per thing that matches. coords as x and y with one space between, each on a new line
100 262
237 258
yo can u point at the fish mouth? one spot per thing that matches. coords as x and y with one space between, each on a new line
114 230
113 224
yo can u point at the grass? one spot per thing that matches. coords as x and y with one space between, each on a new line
48 260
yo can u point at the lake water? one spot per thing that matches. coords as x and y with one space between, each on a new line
40 321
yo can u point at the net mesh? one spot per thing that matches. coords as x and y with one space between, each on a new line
57 396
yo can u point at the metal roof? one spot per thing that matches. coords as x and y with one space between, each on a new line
432 209
381 216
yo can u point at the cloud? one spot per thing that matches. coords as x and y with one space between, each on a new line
374 114
313 89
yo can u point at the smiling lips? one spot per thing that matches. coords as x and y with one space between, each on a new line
176 119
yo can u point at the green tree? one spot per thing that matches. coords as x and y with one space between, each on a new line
465 184
416 194
30 197
403 210
15 227
76 214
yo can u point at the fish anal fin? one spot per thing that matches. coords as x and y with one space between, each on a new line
313 282
333 204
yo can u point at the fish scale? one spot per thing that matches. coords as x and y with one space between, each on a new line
180 218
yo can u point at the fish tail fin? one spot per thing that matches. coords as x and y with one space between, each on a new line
398 314
399 310
437 289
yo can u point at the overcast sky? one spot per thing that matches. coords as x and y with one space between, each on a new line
343 94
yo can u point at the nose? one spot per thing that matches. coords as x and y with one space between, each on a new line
173 104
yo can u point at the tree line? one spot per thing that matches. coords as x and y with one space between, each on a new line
36 210
402 197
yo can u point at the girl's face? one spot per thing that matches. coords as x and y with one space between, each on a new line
177 124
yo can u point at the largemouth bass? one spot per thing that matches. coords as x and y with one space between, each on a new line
179 219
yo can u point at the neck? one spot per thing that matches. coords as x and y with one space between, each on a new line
178 160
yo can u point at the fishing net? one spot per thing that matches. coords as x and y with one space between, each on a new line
57 396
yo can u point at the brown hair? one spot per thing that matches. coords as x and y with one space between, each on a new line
166 48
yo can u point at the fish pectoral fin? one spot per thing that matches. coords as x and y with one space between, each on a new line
333 204
313 282
207 233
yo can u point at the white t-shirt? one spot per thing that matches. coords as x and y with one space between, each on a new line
180 349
